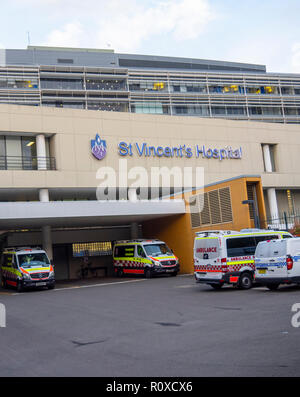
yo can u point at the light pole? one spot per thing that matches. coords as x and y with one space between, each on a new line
255 211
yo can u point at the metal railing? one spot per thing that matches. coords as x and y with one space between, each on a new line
285 221
27 163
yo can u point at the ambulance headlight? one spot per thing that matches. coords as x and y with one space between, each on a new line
51 274
26 276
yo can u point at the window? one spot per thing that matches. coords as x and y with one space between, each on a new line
290 201
265 110
141 252
2 153
262 90
62 84
245 246
124 251
157 249
240 246
92 249
19 153
93 84
149 107
28 260
218 110
7 260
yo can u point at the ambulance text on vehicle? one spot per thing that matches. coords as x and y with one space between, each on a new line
228 257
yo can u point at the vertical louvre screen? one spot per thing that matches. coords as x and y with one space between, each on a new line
205 214
217 208
195 213
225 202
250 194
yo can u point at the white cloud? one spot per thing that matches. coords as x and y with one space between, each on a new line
183 19
126 25
68 36
295 62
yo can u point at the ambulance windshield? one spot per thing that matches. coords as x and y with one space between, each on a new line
157 249
31 260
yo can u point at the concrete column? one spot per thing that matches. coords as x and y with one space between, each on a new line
134 231
46 230
47 241
41 152
44 195
267 158
273 203
132 195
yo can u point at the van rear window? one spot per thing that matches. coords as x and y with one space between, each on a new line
204 249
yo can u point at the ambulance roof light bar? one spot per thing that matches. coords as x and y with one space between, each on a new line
22 249
141 240
221 232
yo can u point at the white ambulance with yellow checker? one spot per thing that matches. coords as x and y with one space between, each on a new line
227 257
147 257
26 268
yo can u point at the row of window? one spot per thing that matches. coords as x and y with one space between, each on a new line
116 85
78 84
105 106
18 83
92 249
196 110
213 89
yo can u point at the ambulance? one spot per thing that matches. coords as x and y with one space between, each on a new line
277 262
26 268
147 257
227 257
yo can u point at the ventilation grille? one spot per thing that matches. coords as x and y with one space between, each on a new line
250 194
216 208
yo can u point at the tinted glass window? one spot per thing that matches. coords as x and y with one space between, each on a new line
124 251
241 246
265 238
140 251
286 236
7 260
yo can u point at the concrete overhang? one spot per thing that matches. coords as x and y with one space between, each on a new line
23 215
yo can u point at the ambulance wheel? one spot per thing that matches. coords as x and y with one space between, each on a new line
174 274
245 280
120 272
216 286
19 286
51 286
147 272
272 287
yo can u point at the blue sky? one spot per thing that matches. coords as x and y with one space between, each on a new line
257 31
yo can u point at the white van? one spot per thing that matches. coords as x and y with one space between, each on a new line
226 256
278 262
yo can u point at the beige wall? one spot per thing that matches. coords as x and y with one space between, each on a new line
72 130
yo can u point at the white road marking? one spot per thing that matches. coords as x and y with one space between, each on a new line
97 285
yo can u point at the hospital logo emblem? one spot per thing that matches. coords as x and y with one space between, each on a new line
98 147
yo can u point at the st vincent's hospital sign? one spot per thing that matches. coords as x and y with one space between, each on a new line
182 151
